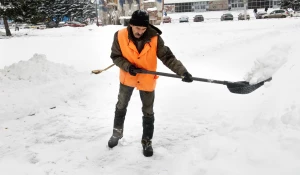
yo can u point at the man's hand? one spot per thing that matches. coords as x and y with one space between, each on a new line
187 77
132 70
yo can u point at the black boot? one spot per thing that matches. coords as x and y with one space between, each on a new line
147 147
148 129
118 128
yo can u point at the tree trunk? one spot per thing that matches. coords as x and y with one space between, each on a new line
8 33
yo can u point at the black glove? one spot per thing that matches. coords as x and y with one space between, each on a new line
133 70
187 77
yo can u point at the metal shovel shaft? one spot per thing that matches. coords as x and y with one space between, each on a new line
240 87
177 76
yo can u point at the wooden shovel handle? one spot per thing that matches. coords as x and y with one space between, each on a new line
98 71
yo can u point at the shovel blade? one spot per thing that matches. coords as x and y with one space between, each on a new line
96 71
243 87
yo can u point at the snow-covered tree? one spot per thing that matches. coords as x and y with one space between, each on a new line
89 10
293 4
19 11
47 8
70 8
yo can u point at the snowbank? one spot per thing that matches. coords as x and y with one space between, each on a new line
30 87
37 69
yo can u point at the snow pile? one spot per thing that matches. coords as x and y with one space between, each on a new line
37 69
267 65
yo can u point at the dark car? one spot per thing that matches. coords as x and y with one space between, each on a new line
51 24
226 17
167 19
198 18
259 15
74 24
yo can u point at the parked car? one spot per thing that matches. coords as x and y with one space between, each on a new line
198 18
227 16
277 14
61 24
74 24
184 18
241 16
167 19
54 24
38 26
51 24
295 14
259 15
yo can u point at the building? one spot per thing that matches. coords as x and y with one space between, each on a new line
255 4
172 6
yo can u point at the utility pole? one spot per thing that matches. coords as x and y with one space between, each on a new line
245 9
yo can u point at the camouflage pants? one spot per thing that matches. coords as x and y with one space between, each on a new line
124 96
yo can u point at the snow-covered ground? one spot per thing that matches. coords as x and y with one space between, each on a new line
56 117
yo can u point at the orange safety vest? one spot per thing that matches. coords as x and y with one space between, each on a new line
147 60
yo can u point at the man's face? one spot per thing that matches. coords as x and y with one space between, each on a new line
138 31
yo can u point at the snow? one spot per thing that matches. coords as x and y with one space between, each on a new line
147 1
56 117
267 65
151 9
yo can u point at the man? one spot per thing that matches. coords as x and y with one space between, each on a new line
137 47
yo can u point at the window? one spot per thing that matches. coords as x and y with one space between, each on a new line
184 7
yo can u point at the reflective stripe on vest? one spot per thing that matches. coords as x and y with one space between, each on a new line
147 60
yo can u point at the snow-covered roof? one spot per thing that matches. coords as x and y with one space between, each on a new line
146 1
184 1
151 9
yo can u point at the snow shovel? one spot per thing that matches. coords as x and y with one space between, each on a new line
98 71
240 87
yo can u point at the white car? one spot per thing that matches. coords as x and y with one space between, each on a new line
184 18
38 26
295 14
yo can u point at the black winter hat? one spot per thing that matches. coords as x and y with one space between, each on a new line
139 18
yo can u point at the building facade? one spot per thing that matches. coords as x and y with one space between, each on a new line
172 6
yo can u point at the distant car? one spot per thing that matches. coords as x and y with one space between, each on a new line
277 14
41 26
198 18
38 26
259 15
74 24
242 16
51 24
295 14
184 18
23 26
226 17
61 24
167 19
